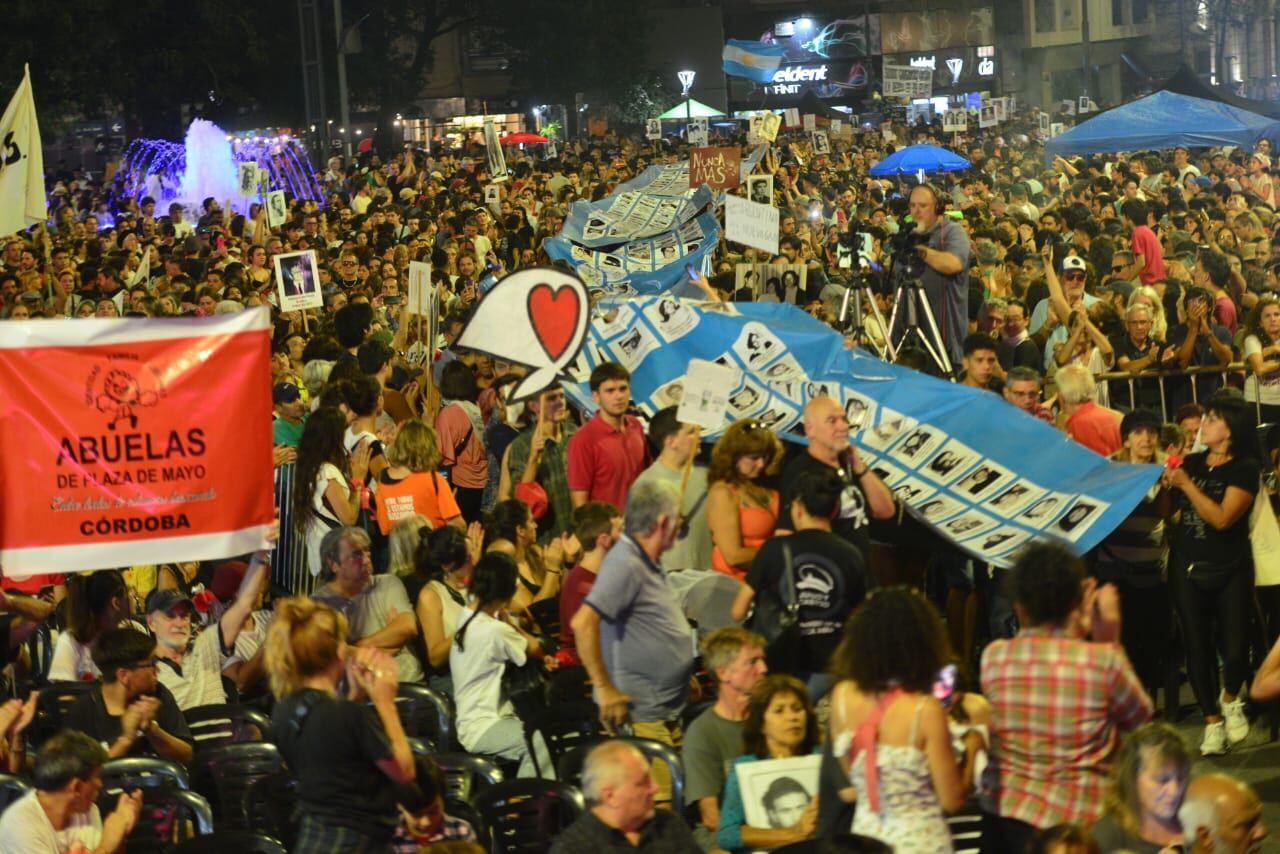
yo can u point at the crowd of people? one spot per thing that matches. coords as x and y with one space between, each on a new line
452 539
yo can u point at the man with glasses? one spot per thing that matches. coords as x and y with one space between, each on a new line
1123 267
1137 352
1044 322
131 713
193 672
377 607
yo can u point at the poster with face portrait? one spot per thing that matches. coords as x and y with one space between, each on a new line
776 792
247 186
955 121
777 283
987 115
821 143
760 189
698 131
298 281
277 209
653 129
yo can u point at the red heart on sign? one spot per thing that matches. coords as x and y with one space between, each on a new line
554 314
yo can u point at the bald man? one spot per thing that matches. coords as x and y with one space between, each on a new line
620 789
1221 815
865 495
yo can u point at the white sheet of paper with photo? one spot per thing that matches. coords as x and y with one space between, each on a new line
493 198
836 126
751 223
277 209
493 150
420 289
1056 128
769 125
987 116
809 122
793 117
954 121
248 180
310 297
706 394
754 779
653 129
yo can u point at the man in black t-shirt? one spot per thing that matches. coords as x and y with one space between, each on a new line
131 713
865 496
829 575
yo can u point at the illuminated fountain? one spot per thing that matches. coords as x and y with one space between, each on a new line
207 164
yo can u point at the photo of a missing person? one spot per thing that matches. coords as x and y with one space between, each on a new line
776 792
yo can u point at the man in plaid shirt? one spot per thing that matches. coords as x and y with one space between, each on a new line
1060 692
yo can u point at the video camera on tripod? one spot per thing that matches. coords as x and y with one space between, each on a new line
905 269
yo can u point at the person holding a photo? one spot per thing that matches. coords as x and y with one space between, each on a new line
780 724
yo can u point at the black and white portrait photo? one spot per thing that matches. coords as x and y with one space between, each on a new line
776 792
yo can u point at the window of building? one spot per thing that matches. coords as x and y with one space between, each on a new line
1141 11
1117 13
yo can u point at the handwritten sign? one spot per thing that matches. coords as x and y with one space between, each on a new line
718 168
751 223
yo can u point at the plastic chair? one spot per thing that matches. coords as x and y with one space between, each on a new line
223 775
569 685
168 816
241 841
40 650
521 815
569 768
465 774
426 715
12 788
844 843
271 806
142 772
52 704
226 723
463 810
563 728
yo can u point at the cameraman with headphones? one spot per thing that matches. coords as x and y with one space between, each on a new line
946 276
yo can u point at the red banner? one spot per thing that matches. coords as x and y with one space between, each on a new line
133 441
718 168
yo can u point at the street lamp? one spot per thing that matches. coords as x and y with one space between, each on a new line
686 83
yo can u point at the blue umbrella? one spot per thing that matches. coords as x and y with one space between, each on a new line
919 160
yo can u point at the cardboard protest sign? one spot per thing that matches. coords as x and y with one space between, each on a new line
698 131
135 447
705 399
298 281
420 288
248 180
536 317
769 125
751 223
718 168
277 209
493 151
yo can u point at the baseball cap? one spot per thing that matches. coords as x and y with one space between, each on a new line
1073 262
1138 419
284 393
165 600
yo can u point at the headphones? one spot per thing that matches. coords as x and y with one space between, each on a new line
938 205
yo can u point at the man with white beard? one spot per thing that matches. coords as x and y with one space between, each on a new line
193 672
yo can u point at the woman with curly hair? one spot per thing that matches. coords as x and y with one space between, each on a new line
326 494
741 512
889 732
780 724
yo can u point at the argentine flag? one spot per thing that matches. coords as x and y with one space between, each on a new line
755 61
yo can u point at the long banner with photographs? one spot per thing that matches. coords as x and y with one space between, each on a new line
647 266
979 471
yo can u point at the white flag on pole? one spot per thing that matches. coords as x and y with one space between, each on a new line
21 163
142 275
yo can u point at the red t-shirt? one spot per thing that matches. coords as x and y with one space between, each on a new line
577 584
471 467
1145 243
604 462
1095 428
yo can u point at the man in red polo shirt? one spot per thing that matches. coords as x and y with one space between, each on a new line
610 450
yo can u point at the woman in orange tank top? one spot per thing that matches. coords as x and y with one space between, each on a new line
741 512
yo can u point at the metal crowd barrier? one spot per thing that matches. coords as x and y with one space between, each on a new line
1192 372
289 568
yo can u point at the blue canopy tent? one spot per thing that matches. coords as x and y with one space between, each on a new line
1164 120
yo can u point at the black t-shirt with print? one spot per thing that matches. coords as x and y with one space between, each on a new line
854 521
830 581
1195 539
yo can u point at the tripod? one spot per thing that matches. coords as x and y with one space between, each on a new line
859 290
910 292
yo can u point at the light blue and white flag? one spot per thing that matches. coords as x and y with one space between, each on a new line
650 265
756 61
979 471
